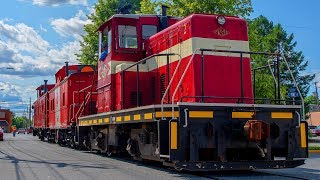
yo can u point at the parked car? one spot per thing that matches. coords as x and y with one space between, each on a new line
311 129
21 130
1 134
29 130
316 131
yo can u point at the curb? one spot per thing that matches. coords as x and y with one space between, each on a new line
314 151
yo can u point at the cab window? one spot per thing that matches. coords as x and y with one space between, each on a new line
109 41
106 38
148 31
127 36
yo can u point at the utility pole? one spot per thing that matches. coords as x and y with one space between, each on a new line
30 112
315 86
24 118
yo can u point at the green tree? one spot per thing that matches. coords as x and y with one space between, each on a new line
308 101
266 37
20 121
148 7
184 8
104 9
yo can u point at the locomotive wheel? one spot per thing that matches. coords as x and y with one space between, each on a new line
109 153
178 169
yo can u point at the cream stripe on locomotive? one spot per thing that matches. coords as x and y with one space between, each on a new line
185 49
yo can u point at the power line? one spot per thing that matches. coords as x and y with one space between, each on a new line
302 27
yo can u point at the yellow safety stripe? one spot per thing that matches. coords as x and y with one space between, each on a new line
160 114
118 119
137 117
174 135
200 114
281 115
127 118
303 135
147 116
243 115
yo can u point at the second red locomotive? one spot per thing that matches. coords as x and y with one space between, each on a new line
59 105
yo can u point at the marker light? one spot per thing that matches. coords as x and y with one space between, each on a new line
221 20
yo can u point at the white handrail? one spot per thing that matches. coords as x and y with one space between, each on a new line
169 85
275 80
296 85
180 81
81 108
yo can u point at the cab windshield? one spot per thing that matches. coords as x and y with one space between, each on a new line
127 36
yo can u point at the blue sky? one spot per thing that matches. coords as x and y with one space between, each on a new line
38 36
297 17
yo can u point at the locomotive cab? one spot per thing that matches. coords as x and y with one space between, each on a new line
121 44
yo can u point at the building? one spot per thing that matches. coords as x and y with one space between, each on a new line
6 119
314 119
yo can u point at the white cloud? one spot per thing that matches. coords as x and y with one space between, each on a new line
21 37
71 27
59 2
7 55
22 48
9 92
66 53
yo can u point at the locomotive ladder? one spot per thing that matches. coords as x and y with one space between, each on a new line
241 76
82 106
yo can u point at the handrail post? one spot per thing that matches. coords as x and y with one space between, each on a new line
138 87
180 81
278 71
254 86
297 87
202 76
170 83
122 89
241 77
168 77
275 82
84 103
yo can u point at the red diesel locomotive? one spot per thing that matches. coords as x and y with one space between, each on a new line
180 91
40 118
58 106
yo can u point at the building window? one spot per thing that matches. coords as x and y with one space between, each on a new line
127 36
148 31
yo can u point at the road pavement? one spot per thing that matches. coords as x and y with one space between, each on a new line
26 157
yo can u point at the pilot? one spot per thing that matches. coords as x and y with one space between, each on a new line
104 53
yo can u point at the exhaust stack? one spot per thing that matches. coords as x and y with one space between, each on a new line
45 86
67 69
164 17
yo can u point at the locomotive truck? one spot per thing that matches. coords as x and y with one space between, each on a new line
180 91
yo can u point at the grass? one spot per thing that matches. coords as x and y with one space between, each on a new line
314 148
